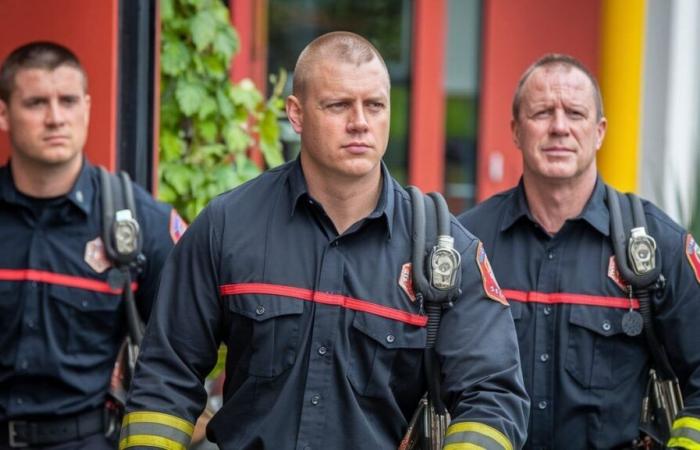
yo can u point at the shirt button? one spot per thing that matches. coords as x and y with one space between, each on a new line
606 325
334 244
19 400
24 364
550 255
79 196
31 324
390 338
542 405
260 310
544 357
84 303
547 310
315 399
322 350
33 284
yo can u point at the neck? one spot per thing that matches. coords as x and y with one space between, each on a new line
346 201
44 181
552 203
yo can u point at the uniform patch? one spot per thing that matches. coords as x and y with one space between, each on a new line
177 226
692 251
491 287
95 255
615 275
406 281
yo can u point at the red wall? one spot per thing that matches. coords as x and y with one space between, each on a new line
516 33
89 28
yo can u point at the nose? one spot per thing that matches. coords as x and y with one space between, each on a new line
559 123
54 114
358 120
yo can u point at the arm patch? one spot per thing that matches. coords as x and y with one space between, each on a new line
491 287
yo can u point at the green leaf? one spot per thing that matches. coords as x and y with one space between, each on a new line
207 108
214 66
166 193
208 130
175 57
171 146
226 108
178 177
189 96
236 139
270 139
226 44
246 168
167 10
203 28
244 93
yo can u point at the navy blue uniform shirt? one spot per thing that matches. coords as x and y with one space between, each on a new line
585 377
324 345
60 323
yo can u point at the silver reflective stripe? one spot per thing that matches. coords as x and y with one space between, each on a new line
155 429
688 433
472 437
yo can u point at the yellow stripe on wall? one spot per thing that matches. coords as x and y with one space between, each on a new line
622 27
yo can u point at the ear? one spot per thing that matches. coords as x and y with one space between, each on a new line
515 132
295 113
600 131
88 103
4 117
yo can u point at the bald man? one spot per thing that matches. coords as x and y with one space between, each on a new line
298 272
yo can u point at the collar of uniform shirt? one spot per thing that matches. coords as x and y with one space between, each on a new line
595 212
298 191
81 194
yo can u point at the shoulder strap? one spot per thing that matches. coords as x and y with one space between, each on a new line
630 243
121 232
435 273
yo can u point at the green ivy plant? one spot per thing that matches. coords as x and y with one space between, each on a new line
208 124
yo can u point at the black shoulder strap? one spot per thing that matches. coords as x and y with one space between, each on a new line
121 232
643 285
435 273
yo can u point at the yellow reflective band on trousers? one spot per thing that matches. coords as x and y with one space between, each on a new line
154 429
685 433
474 435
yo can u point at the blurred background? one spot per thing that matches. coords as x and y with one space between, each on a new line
454 65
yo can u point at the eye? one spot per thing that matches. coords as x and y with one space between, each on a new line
337 106
576 114
34 102
376 106
70 100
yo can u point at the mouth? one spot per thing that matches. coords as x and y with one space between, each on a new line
558 151
357 147
56 139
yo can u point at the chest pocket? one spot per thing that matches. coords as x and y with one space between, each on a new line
276 323
599 355
87 322
381 347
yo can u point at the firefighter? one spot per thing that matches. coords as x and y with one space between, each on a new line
585 367
61 323
303 273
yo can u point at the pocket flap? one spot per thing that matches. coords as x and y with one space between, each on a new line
84 300
261 307
390 333
603 321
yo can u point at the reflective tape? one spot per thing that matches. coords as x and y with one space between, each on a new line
685 433
155 429
473 435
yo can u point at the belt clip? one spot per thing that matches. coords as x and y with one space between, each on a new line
12 434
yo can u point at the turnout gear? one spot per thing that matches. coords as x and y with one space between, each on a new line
325 341
585 371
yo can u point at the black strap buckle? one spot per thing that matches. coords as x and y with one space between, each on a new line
12 433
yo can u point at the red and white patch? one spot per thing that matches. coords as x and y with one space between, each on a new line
177 226
95 255
406 281
491 287
615 275
692 251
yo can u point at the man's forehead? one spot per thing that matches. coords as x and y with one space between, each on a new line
63 77
556 79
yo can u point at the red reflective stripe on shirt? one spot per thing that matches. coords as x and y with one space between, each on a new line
326 299
61 279
571 299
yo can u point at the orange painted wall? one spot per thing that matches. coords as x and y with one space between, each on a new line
89 28
427 132
516 33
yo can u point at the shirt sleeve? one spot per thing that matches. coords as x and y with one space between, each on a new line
482 379
179 347
676 314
